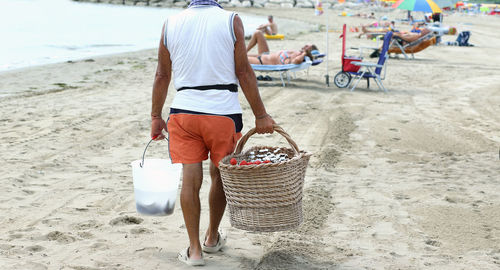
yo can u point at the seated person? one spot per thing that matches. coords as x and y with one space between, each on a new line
437 17
270 28
283 57
417 27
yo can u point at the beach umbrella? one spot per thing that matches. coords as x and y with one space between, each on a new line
418 5
444 3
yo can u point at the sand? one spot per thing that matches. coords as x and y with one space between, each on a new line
403 180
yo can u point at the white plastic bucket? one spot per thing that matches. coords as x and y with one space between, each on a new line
156 182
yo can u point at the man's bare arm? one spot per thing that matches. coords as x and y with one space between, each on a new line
162 79
248 82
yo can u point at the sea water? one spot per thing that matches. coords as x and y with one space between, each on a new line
37 32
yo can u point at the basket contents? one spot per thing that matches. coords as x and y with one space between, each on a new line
267 195
261 156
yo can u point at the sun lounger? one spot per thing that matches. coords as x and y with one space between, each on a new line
400 46
284 69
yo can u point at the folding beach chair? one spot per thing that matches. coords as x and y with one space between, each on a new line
400 46
284 69
375 71
462 40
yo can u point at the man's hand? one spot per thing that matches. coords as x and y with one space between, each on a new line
264 124
157 127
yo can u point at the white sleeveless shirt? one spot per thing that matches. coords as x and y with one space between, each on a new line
201 41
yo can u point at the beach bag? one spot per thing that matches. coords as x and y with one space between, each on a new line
348 66
463 38
265 197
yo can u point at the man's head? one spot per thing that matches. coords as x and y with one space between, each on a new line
270 18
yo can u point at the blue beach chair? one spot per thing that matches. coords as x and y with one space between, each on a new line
375 71
462 40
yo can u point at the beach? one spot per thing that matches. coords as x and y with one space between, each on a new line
407 179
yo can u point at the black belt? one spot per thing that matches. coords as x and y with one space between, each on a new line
236 117
231 87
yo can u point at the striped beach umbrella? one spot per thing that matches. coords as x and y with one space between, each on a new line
444 3
418 5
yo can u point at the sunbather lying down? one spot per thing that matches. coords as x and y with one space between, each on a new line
283 57
405 39
376 28
411 36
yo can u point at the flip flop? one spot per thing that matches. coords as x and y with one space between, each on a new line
260 78
221 241
183 256
268 78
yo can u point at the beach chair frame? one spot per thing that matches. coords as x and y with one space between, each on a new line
399 43
285 70
375 71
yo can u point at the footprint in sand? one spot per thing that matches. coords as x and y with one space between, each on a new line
28 192
89 224
99 246
126 220
140 231
35 248
86 235
433 243
60 237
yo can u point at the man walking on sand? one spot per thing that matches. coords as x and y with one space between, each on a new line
204 47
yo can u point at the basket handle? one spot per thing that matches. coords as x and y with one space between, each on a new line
276 128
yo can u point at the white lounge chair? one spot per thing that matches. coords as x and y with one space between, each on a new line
284 69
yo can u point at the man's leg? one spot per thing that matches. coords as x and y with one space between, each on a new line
192 177
217 203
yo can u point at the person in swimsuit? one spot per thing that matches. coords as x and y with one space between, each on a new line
375 28
283 57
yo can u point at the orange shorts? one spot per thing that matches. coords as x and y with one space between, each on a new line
192 137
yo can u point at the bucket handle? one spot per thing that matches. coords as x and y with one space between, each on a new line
144 154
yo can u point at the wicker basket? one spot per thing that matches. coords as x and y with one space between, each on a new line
265 197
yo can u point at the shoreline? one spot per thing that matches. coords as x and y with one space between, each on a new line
403 180
289 27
